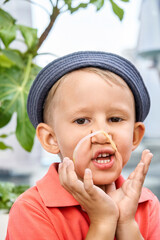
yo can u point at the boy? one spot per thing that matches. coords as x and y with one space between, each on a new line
72 97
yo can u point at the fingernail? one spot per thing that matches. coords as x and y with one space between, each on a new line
66 159
148 150
87 170
141 164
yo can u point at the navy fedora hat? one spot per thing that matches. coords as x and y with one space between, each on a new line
51 73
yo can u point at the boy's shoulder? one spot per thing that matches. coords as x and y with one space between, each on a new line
47 192
147 195
30 197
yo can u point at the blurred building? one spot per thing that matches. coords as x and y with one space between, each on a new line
147 58
148 51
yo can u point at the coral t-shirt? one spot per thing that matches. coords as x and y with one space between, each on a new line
48 212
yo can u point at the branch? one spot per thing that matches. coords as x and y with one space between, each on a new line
47 53
39 5
51 3
44 35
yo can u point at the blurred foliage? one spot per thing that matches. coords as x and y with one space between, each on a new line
9 193
17 68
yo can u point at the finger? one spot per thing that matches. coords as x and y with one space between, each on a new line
144 153
62 171
131 175
74 185
146 159
88 181
139 177
67 174
93 193
71 174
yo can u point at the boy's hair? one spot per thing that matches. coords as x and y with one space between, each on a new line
105 74
50 74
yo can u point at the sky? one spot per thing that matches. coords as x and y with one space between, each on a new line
89 30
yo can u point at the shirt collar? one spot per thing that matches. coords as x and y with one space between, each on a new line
51 191
54 195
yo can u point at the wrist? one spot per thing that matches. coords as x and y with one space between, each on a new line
128 228
102 231
103 222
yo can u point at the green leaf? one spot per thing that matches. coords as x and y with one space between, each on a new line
8 34
3 136
9 58
98 3
20 188
29 35
14 57
6 1
25 131
125 0
5 61
9 193
5 116
6 135
68 2
6 19
117 10
14 87
3 146
74 9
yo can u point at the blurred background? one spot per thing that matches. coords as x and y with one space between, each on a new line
136 37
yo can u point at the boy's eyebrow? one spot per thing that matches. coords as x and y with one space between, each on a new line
84 110
79 110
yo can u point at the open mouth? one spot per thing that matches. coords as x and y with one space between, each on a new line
103 158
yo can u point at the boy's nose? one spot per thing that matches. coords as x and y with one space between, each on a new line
100 138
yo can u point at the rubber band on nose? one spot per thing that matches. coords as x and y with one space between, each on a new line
91 135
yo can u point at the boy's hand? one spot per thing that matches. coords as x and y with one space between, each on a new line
113 208
100 207
128 195
127 198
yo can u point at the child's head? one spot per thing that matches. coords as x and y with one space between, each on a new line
52 97
88 99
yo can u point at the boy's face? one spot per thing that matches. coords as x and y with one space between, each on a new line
85 103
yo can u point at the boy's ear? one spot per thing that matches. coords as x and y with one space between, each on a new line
47 138
139 130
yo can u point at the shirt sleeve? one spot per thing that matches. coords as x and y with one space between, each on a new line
29 222
154 220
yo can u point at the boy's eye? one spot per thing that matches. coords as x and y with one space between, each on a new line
115 119
81 121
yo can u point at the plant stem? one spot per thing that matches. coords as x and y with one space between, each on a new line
44 35
27 72
51 3
39 5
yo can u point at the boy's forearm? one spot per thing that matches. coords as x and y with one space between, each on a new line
129 230
101 232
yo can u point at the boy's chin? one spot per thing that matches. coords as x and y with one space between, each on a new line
104 181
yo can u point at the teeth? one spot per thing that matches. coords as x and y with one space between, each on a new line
102 161
103 155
